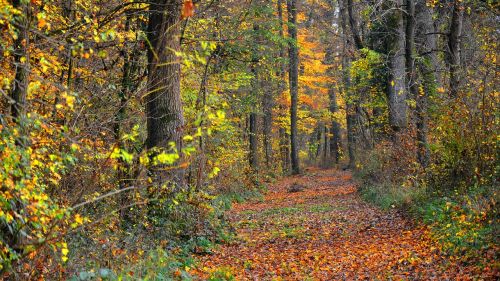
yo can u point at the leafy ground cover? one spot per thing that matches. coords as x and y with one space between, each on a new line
327 232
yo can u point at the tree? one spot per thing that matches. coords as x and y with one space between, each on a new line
454 46
427 67
253 128
21 61
284 139
396 83
293 56
165 120
335 138
346 83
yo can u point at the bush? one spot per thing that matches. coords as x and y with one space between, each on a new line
30 219
463 220
388 195
465 225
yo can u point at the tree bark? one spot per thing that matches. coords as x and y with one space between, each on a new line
19 88
164 111
354 26
293 78
346 79
427 68
253 155
283 135
454 46
123 167
426 41
67 58
335 139
397 65
267 105
267 108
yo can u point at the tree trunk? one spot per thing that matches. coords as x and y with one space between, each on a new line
267 105
253 155
320 136
123 167
426 38
454 46
164 111
335 138
294 80
354 26
326 153
283 135
67 58
323 145
397 82
346 79
19 86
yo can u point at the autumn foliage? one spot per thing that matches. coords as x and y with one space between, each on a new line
156 140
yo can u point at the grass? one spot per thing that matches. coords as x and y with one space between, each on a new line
302 208
465 223
289 232
387 195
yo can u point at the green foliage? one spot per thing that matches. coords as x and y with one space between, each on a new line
222 274
159 265
387 195
464 221
28 216
464 225
368 85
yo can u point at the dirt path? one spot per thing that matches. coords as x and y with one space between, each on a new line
325 232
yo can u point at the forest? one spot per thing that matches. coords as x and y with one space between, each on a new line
249 140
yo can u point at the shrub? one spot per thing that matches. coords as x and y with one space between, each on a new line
30 220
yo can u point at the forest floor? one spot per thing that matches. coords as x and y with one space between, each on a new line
325 232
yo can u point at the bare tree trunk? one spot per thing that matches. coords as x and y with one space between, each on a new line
267 105
293 55
454 46
426 40
253 155
199 169
335 139
346 79
19 88
397 82
284 137
354 26
326 154
427 69
323 145
320 136
123 167
164 111
67 58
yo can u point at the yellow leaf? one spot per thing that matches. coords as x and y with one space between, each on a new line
78 219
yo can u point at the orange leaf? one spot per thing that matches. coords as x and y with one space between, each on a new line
187 9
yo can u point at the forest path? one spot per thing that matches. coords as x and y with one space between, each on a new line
324 232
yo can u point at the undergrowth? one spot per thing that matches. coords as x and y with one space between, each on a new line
464 221
163 248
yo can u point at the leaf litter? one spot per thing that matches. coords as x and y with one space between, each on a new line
325 231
